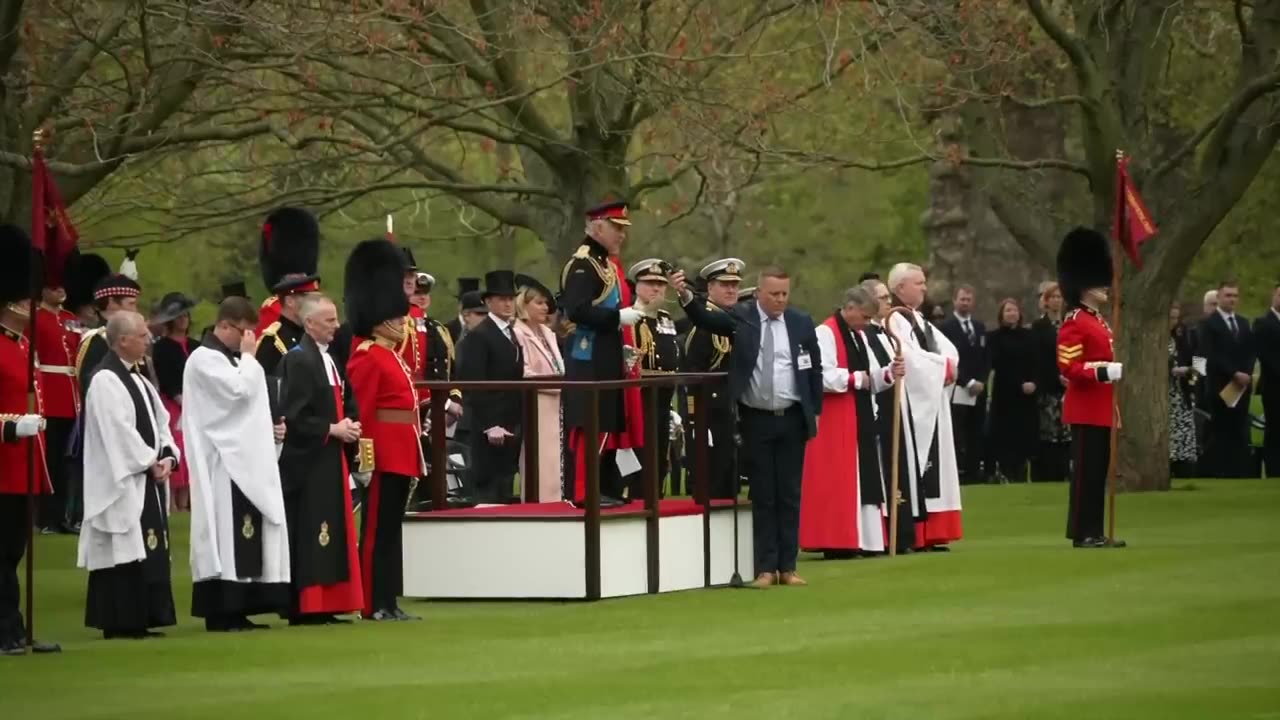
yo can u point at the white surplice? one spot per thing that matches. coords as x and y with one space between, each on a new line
227 431
836 379
928 399
117 466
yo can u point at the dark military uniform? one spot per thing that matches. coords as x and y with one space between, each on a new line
706 352
658 345
279 338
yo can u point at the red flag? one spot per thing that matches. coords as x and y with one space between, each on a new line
1133 225
51 230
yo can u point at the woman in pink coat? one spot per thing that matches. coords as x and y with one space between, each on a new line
542 360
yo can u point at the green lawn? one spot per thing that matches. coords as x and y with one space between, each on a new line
1012 624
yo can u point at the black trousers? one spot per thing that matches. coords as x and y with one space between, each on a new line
54 507
721 456
1271 436
493 469
773 457
1051 463
966 423
1227 453
635 481
1087 503
382 540
13 543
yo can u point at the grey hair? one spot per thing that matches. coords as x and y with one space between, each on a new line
870 285
1210 296
900 272
311 302
862 298
123 323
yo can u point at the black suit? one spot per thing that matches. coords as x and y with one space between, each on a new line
773 441
967 421
487 353
1227 353
1266 335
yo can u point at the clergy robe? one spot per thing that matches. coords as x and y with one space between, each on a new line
931 361
842 493
239 539
909 511
124 541
324 567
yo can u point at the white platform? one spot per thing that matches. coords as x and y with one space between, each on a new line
540 552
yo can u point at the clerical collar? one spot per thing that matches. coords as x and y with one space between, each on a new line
212 342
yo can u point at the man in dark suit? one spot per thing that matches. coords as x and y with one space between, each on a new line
1227 344
493 418
1266 335
969 336
457 327
775 376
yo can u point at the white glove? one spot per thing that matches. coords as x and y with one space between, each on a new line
362 478
1114 371
629 317
28 425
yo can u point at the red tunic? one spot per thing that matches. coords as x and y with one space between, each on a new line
267 314
1084 343
829 502
13 403
56 349
413 349
380 382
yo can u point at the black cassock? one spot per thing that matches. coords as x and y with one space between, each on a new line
313 472
884 428
135 596
487 353
870 477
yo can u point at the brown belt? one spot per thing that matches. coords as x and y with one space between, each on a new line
406 417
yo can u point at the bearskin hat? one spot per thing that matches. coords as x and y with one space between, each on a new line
1084 261
15 271
374 289
84 272
290 245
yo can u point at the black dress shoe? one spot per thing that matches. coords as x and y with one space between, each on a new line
45 648
938 548
610 502
404 616
248 624
1090 543
305 620
12 648
335 620
1117 544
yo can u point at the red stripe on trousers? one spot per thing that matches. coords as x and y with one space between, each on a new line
370 535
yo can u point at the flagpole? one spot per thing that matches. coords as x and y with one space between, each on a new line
38 140
1116 270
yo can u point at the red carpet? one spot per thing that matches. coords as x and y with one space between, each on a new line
666 508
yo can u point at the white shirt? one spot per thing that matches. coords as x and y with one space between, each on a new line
504 325
839 380
784 377
1276 313
330 369
1229 319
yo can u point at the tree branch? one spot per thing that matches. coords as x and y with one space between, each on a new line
76 66
1070 45
1226 121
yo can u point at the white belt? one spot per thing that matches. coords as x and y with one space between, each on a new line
58 369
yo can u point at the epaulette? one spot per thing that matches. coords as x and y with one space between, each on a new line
1071 315
364 346
271 332
582 252
272 300
84 346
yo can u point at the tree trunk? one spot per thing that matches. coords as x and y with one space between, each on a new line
1142 342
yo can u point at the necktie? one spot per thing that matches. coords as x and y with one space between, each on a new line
968 331
1231 323
766 352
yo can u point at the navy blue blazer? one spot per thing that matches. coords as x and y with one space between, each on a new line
742 323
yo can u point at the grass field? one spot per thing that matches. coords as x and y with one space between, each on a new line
1012 624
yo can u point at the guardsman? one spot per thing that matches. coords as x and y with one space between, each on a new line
382 385
1086 359
428 347
112 294
18 429
598 303
659 348
288 255
57 343
706 352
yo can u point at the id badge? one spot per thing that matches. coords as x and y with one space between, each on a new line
803 362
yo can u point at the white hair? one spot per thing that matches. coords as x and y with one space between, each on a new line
901 272
123 323
310 303
1210 296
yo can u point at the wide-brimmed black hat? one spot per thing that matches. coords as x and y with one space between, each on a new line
15 271
532 283
1084 261
171 307
473 301
500 283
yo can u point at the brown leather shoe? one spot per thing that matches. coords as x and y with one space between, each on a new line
790 578
764 580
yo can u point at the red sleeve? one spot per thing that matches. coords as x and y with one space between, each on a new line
362 374
1071 354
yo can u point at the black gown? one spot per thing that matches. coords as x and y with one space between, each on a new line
1014 430
884 427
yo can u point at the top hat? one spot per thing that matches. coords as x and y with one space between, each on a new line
499 283
468 284
234 289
